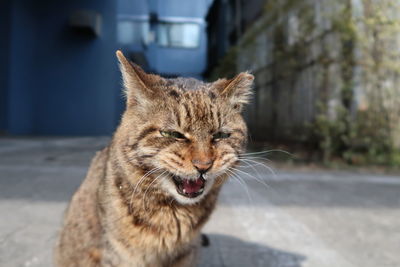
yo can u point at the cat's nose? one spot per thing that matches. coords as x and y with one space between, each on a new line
202 165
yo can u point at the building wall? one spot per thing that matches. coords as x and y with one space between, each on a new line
61 81
326 72
296 57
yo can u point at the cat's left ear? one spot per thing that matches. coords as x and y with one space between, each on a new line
139 86
237 90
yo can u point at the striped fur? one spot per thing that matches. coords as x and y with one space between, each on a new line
127 212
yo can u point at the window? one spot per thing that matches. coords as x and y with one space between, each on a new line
132 32
184 35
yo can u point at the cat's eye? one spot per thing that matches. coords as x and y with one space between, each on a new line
172 134
221 135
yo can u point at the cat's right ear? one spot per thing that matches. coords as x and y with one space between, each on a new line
237 90
138 84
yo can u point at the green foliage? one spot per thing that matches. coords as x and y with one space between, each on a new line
365 135
330 135
363 140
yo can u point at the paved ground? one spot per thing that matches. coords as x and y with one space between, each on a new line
303 219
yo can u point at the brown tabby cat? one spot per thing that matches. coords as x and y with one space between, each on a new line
147 195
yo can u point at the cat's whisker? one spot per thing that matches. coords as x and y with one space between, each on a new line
265 166
254 157
148 187
249 175
267 151
254 162
260 180
242 183
151 184
141 180
241 171
144 176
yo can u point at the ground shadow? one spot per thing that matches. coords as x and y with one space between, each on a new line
225 251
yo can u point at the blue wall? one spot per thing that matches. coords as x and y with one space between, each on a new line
4 62
61 82
56 81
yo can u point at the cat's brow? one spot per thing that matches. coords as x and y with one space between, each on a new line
145 132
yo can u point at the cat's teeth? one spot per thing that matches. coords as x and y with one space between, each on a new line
184 191
201 190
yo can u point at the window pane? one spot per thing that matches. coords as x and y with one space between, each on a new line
178 34
132 32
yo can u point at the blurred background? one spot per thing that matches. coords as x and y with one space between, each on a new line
326 72
59 73
326 90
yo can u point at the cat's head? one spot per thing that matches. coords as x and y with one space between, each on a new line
185 133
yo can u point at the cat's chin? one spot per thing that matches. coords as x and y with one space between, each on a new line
188 191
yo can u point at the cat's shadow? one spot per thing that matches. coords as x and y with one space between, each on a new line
230 251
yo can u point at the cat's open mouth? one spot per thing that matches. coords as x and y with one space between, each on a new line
189 188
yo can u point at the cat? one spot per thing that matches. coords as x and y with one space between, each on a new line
147 194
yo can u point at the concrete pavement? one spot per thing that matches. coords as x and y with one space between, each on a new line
298 219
